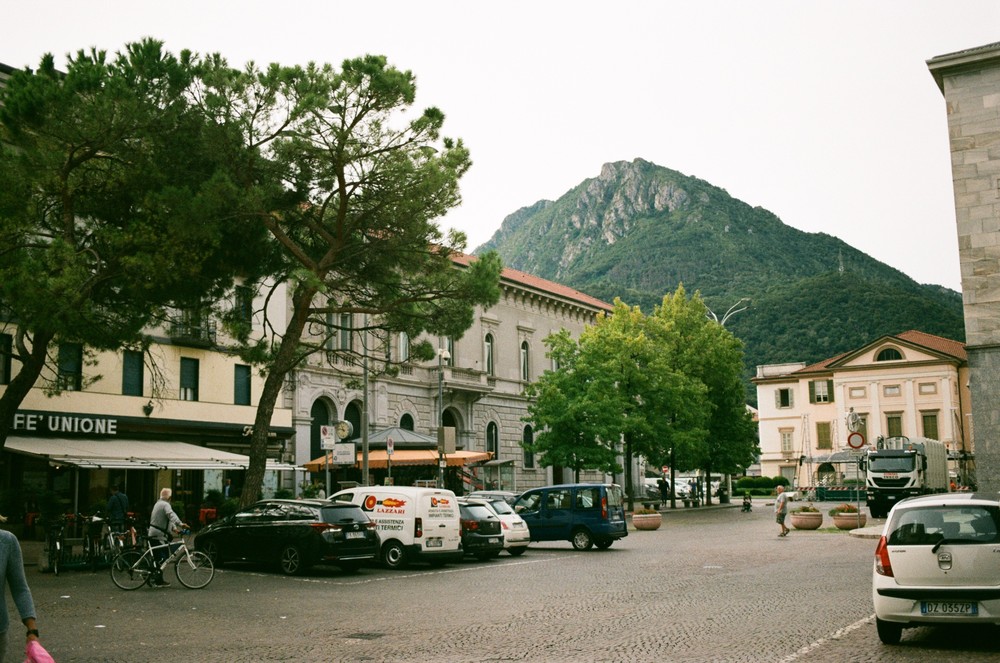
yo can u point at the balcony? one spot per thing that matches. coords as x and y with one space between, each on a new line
193 333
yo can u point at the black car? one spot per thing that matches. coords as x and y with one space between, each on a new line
294 534
482 535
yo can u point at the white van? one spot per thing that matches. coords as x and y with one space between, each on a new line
414 524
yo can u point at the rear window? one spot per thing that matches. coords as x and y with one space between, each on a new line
475 512
615 496
930 525
347 513
501 507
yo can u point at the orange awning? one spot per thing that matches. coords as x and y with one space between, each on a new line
377 459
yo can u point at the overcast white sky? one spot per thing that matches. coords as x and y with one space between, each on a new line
822 112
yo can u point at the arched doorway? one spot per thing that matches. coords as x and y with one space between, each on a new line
352 413
406 421
321 416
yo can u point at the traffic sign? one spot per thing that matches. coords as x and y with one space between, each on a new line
856 440
389 444
326 436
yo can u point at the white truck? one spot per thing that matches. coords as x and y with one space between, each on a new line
901 467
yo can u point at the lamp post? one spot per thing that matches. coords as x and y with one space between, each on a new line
443 356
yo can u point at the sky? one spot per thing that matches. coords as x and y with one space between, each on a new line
822 112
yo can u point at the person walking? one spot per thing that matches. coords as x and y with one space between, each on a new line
12 566
664 491
781 509
162 522
117 509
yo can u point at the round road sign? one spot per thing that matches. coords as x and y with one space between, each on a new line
856 440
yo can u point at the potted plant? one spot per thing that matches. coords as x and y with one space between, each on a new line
647 519
806 517
847 516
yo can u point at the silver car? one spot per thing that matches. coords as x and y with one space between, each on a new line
938 562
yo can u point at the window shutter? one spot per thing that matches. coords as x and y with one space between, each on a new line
812 391
777 398
829 390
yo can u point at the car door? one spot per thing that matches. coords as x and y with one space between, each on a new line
556 518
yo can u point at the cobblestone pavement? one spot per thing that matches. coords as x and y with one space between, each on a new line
709 585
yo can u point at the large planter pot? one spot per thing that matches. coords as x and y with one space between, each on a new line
849 520
647 521
806 520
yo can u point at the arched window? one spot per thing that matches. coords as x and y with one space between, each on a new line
889 354
526 439
525 368
320 415
488 351
493 439
406 421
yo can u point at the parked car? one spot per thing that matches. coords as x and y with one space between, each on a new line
585 514
652 488
516 535
506 495
482 535
937 563
414 523
293 534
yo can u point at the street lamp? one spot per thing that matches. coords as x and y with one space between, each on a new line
443 356
738 307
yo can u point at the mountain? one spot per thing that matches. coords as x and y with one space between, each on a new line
638 230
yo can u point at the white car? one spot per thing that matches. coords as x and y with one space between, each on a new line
516 535
938 562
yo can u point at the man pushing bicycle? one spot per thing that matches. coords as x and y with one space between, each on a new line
162 523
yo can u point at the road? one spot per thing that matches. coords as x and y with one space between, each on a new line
709 585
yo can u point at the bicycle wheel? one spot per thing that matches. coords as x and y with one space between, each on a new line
131 569
54 560
195 570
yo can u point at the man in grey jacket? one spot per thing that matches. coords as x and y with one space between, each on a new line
162 523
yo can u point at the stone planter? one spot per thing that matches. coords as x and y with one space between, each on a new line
806 519
647 521
849 520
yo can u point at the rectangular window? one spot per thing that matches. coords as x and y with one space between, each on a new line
346 331
6 352
524 361
891 390
404 346
894 424
243 305
70 366
787 444
857 392
330 332
823 437
189 379
927 388
241 385
930 424
783 398
821 391
132 373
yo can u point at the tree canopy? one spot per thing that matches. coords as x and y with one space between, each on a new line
665 386
119 199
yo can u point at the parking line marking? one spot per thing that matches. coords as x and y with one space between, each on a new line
834 636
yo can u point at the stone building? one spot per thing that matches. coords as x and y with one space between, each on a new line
970 82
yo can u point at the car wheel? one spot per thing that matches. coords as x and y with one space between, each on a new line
888 632
604 544
582 540
212 550
291 562
393 555
515 552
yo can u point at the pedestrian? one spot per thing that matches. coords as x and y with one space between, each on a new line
781 509
12 564
117 509
664 491
162 523
228 490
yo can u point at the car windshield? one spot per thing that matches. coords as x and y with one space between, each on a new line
476 511
931 525
891 463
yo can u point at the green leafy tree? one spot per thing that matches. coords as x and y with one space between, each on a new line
349 182
710 354
118 199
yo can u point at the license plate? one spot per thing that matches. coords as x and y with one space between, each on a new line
435 543
494 540
354 535
949 608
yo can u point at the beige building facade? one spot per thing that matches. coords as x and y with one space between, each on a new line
970 83
912 384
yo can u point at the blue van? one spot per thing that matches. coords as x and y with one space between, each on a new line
585 514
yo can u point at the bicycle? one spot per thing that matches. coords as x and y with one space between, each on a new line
55 532
132 569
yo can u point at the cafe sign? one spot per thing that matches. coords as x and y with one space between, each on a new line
55 423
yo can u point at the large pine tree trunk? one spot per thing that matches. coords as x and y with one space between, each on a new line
18 388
